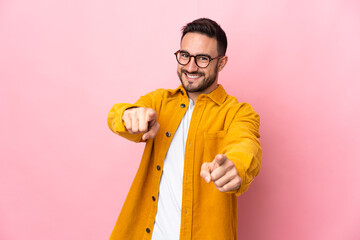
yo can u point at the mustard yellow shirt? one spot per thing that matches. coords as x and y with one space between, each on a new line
219 125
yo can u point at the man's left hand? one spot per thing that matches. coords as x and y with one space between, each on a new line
222 172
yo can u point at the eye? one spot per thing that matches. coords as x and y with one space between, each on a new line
184 54
203 58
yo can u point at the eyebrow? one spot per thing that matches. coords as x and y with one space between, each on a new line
200 54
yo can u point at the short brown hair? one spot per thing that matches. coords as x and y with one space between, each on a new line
211 29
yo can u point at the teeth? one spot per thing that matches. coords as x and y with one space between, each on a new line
192 76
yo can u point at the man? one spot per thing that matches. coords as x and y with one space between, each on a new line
202 148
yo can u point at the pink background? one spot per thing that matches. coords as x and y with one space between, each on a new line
63 64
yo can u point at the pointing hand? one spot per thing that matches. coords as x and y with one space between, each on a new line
141 120
222 172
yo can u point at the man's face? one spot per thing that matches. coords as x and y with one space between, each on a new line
193 78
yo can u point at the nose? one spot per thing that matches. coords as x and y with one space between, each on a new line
191 66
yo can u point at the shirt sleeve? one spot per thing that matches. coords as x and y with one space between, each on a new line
242 145
115 122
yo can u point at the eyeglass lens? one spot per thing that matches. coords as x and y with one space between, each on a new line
200 60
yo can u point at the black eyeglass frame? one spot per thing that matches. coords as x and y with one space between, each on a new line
195 56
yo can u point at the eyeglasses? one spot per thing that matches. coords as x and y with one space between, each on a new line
201 60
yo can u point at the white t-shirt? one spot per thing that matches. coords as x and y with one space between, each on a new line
168 216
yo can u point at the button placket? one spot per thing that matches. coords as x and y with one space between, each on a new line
188 188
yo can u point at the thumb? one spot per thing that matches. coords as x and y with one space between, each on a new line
205 172
218 161
153 125
151 115
154 128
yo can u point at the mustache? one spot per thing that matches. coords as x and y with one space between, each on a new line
199 73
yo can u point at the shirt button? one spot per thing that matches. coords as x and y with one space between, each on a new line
158 167
168 134
153 198
148 230
182 105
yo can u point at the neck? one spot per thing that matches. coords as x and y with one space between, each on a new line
193 95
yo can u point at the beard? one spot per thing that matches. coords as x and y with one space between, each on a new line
204 84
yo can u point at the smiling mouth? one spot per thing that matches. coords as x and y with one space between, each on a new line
192 76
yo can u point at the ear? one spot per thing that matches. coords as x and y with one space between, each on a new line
222 62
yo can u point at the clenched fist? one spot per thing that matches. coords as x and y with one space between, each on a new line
141 120
222 172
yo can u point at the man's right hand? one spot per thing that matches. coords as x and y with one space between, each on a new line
141 120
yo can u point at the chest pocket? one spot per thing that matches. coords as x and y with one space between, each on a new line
213 144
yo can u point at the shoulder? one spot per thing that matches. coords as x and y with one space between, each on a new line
233 103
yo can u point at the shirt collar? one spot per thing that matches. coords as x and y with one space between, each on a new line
218 95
